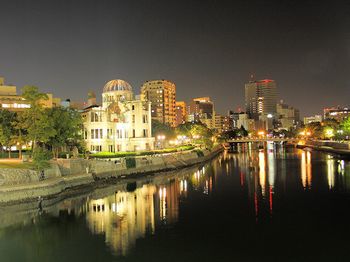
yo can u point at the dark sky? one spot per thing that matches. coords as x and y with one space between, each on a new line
208 48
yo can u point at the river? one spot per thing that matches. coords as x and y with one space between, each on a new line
278 204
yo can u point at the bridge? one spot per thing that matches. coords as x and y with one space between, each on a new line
259 140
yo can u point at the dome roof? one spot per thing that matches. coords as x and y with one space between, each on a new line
117 85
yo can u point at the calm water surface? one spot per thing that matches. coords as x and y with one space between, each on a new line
272 205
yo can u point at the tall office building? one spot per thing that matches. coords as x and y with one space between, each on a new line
260 98
161 94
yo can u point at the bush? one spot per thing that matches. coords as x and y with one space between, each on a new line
111 154
130 162
41 158
64 154
199 153
141 153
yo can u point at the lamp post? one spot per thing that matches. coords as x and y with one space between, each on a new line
161 139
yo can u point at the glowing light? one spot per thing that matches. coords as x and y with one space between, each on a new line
262 172
261 133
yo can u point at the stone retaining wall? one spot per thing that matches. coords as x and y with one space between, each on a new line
24 185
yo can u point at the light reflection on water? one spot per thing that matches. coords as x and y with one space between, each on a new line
260 176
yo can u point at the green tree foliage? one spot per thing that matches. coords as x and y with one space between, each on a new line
235 133
7 130
33 96
67 124
41 158
345 126
199 132
315 128
159 128
36 119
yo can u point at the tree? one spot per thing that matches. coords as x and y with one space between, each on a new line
7 129
199 132
36 119
67 124
41 158
345 126
20 133
159 128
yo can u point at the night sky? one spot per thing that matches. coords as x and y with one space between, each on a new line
208 48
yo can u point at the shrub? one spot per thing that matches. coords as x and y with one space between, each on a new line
64 154
130 162
199 153
41 158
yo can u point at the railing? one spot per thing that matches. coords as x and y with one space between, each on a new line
247 140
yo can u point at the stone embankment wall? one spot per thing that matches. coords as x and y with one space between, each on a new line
333 147
24 185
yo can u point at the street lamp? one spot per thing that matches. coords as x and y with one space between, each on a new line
161 139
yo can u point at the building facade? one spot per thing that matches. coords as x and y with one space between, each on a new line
261 98
201 109
288 116
10 100
162 95
337 113
312 119
121 123
180 113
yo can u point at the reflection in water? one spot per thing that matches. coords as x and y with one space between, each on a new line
330 172
271 164
262 171
306 174
263 180
123 217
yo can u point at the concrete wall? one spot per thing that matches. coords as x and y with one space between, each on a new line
24 185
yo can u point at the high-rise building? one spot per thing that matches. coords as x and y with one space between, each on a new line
261 98
162 95
180 113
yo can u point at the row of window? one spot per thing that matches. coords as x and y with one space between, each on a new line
113 148
97 117
120 133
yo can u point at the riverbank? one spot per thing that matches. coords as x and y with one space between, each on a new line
332 147
23 185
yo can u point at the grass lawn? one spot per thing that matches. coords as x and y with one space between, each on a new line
15 164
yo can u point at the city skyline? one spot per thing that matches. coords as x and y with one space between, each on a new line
68 48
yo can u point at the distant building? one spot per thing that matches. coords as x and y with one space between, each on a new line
228 121
162 95
245 121
219 123
10 100
337 113
312 119
287 116
260 98
121 123
180 113
201 109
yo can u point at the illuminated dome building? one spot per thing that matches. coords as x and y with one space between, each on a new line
121 123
